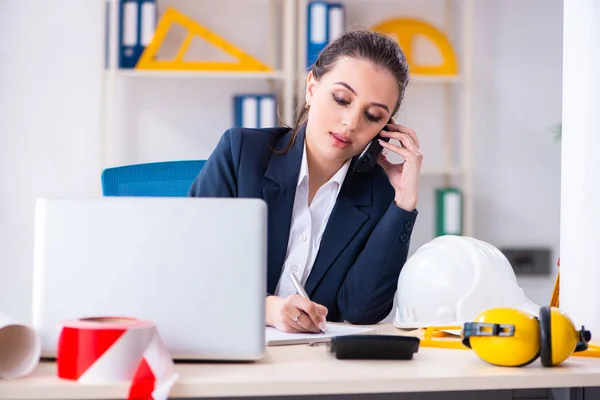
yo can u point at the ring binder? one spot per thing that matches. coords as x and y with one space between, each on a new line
137 21
326 21
449 208
255 111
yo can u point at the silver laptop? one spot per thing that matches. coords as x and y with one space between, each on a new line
196 267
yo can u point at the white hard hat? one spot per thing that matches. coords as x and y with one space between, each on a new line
452 279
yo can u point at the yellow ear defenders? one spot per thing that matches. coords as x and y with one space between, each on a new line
513 338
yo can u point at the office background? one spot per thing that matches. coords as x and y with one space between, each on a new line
51 60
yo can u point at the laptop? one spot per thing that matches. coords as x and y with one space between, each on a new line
196 267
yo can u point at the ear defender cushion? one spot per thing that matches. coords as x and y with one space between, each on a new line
545 337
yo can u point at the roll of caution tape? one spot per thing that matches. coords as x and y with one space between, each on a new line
104 350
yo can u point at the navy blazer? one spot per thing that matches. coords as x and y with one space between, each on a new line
366 240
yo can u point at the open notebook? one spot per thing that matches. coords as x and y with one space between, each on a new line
274 337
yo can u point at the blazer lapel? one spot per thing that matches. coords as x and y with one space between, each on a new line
279 192
345 221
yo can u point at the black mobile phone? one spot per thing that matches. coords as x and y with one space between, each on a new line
374 347
368 158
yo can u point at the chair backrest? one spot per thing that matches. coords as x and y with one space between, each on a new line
159 179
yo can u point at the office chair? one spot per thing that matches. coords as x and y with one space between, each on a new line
158 179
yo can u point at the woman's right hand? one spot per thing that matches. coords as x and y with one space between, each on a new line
295 314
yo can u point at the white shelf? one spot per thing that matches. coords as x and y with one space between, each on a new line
277 75
435 79
414 79
441 171
280 81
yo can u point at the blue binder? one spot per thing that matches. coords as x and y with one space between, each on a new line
326 21
137 21
255 110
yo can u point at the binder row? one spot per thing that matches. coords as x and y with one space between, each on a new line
137 22
255 111
138 19
326 21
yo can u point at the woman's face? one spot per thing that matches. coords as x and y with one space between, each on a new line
348 107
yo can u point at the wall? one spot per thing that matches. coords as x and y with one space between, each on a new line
49 79
518 80
50 75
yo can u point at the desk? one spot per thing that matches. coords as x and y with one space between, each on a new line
306 370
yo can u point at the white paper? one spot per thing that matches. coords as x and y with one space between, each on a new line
20 348
274 337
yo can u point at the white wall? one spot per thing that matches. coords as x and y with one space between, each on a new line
50 86
49 90
518 78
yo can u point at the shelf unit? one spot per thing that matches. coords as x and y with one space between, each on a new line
275 75
111 73
292 75
449 169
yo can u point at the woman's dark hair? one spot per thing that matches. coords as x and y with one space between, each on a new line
377 48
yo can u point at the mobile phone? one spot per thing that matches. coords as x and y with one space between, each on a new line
368 158
374 347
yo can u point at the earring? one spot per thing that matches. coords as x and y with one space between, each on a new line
307 106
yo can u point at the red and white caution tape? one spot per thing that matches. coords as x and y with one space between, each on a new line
102 350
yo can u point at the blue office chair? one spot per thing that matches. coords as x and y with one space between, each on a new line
158 179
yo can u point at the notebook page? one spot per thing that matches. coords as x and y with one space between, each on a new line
274 337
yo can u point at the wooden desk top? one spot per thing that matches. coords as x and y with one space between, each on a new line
306 370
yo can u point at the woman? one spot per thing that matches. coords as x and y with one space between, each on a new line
344 234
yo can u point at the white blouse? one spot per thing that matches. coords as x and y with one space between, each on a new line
307 226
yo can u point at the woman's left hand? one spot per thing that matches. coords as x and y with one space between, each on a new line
403 177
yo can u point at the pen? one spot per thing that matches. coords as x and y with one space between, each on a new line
300 290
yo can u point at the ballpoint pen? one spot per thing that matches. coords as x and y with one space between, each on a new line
301 290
